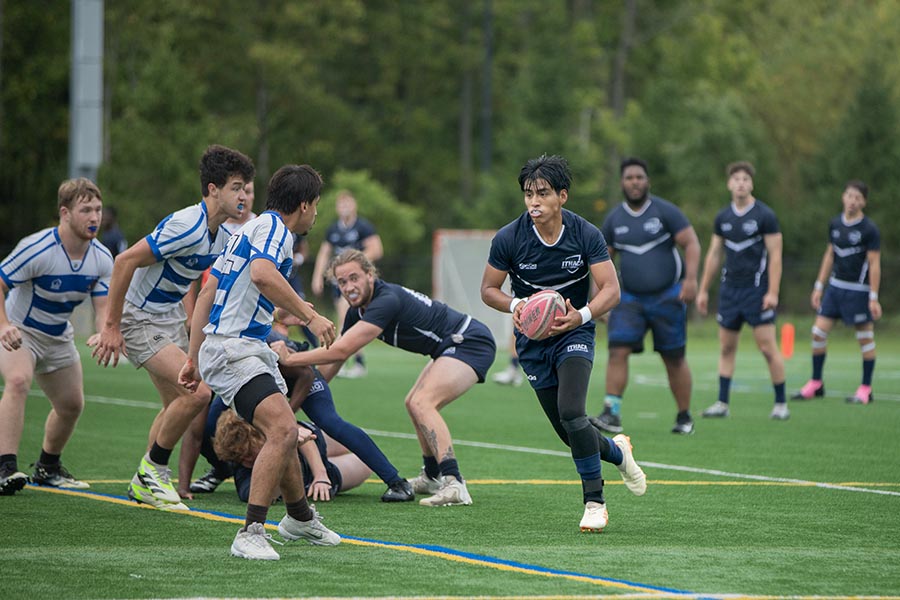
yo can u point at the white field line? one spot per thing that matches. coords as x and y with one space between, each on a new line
544 452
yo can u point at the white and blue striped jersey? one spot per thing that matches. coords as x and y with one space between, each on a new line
239 309
46 284
185 248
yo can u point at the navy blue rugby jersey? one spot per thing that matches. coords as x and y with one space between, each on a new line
645 241
850 243
344 238
746 258
409 319
564 266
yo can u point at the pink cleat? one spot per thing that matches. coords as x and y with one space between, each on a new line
863 395
812 388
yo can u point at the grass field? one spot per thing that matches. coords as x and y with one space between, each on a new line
744 507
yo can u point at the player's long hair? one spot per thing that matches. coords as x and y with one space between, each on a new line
236 438
349 256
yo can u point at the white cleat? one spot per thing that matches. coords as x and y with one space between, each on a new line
254 543
632 474
452 493
312 531
595 517
423 484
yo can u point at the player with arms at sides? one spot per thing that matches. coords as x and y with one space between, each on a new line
646 231
228 349
47 275
852 265
462 350
551 248
146 316
747 232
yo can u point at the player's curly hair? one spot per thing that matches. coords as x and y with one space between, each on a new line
236 438
349 256
219 163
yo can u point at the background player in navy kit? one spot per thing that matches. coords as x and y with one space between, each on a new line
47 275
461 347
656 285
549 248
852 264
748 231
350 231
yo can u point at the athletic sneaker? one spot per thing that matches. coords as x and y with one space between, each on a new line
683 426
312 531
56 476
11 481
141 494
780 412
254 543
863 395
352 371
811 389
423 484
157 480
453 492
208 483
399 491
606 421
718 409
509 376
595 517
632 474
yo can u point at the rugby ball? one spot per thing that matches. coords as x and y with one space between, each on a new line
539 312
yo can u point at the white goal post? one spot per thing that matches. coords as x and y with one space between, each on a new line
458 260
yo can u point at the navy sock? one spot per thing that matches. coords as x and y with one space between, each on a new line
514 361
160 455
779 392
299 510
450 467
48 459
431 466
868 368
255 514
818 361
724 388
10 461
609 451
319 407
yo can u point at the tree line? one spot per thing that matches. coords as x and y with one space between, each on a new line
428 109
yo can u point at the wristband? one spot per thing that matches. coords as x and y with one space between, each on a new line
514 303
585 312
328 483
818 286
873 296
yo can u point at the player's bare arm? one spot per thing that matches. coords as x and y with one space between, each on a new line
874 258
815 297
710 267
689 243
774 245
318 276
373 248
493 295
272 285
189 376
99 304
10 336
110 344
607 297
351 342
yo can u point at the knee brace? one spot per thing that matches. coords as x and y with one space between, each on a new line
576 424
818 344
866 335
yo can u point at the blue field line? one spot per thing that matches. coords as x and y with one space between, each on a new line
432 550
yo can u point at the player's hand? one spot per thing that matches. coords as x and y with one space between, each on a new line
289 320
875 309
702 302
815 299
109 345
688 291
304 435
185 493
189 376
320 490
517 316
569 321
281 349
10 337
770 301
323 329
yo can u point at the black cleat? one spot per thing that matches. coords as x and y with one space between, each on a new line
606 421
399 491
209 482
11 481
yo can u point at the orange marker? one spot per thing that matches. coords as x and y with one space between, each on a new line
787 340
